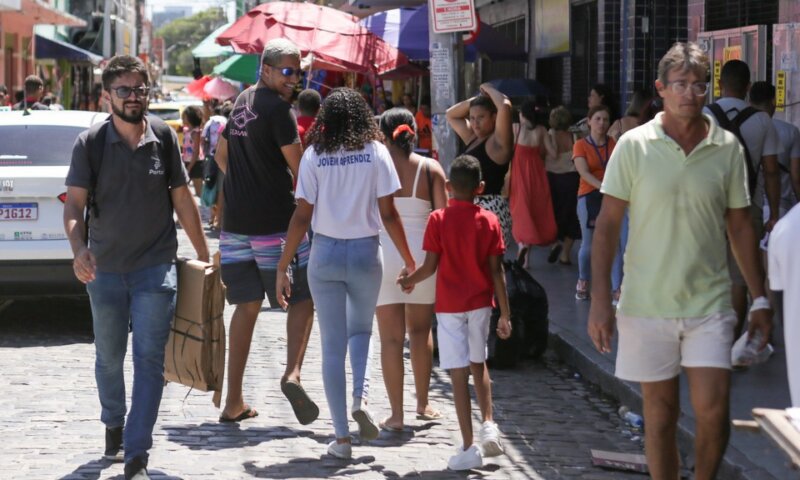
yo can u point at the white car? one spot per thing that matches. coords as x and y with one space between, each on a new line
35 153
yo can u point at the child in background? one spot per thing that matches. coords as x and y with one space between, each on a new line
465 243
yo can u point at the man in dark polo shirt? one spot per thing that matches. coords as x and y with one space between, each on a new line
128 265
260 151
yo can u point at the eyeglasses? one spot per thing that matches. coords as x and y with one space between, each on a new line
287 71
125 92
680 87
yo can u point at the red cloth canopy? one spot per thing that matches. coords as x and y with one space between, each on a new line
333 39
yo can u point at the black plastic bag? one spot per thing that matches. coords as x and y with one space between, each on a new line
529 321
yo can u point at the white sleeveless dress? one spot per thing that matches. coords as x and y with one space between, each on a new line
414 213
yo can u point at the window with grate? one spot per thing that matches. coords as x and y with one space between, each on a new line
724 14
514 30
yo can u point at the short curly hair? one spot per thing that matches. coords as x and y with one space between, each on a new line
344 122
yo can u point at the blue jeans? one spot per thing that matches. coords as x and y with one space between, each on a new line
585 252
144 302
344 277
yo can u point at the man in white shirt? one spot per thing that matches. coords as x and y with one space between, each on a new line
761 142
784 274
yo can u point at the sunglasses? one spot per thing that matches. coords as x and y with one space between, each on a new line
125 92
287 71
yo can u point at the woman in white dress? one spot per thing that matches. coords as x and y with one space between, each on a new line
422 191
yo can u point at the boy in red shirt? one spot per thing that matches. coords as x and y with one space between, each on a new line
465 243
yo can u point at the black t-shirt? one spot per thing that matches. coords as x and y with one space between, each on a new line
259 196
31 106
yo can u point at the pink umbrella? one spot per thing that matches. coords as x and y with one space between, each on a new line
333 39
220 89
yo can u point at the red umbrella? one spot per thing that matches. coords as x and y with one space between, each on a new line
334 39
195 87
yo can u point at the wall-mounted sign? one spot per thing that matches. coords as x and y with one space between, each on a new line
453 16
780 90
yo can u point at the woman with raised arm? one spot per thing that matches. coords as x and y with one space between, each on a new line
484 124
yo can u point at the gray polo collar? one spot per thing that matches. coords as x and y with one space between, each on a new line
149 134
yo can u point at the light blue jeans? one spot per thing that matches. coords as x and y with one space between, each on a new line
344 277
144 303
585 252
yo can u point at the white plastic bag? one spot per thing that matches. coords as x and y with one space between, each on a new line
745 352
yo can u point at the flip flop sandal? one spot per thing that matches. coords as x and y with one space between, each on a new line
434 415
388 428
246 414
304 408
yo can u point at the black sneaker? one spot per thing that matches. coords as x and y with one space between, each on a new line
136 469
113 444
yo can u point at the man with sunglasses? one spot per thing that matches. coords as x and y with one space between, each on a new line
259 152
684 180
128 261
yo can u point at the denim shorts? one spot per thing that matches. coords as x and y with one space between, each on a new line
250 264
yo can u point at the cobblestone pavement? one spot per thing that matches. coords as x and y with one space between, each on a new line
49 415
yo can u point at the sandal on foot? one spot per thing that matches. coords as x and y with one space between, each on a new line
432 415
304 408
388 428
245 415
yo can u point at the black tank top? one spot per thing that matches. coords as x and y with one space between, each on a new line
492 173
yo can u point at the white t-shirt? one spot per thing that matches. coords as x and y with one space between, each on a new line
344 188
759 135
784 274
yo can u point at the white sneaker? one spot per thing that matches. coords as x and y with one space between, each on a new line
340 450
367 428
466 459
490 440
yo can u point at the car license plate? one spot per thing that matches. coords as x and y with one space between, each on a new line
19 211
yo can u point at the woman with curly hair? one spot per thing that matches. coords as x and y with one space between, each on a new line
345 189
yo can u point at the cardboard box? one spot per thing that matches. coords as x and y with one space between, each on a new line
195 353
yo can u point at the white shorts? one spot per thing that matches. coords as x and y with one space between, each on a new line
655 349
462 337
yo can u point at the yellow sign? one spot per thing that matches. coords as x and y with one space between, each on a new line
780 90
715 79
732 53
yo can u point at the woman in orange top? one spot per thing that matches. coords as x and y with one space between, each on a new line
590 155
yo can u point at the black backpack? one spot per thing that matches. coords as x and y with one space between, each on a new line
734 125
529 321
95 144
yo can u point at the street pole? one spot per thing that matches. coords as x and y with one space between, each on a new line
107 29
447 64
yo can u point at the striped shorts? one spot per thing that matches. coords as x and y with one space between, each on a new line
250 263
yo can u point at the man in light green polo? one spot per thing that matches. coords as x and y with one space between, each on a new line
684 182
